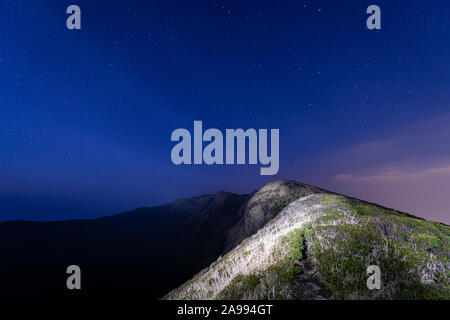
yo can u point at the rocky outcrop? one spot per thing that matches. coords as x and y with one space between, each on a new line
264 205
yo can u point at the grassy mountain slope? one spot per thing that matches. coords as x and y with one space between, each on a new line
319 246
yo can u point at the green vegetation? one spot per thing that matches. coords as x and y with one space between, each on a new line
293 243
240 286
279 275
410 252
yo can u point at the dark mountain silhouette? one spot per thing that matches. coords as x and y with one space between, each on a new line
141 253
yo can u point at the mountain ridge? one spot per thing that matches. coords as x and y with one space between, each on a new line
319 246
147 251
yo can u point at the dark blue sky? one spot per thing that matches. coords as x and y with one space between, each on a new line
86 116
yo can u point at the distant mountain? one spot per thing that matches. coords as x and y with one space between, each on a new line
137 254
286 240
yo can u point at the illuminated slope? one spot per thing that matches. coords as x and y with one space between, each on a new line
319 247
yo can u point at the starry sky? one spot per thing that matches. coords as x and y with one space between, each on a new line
86 115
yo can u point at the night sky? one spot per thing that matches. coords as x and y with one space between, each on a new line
86 115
